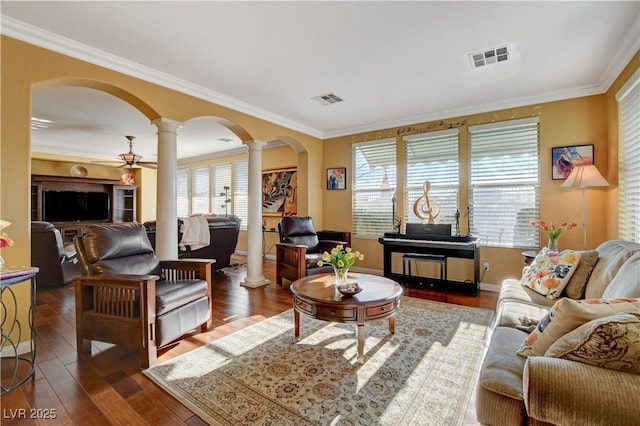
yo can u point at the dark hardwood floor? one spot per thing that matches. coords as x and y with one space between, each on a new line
108 387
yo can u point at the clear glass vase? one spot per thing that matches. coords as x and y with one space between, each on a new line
341 277
553 244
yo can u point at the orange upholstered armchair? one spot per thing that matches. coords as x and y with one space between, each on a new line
301 247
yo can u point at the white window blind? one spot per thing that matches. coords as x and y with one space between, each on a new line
221 179
182 192
628 98
241 191
432 157
200 192
504 183
374 185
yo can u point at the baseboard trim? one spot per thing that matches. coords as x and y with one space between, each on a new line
22 348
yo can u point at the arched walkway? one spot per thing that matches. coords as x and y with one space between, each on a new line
167 140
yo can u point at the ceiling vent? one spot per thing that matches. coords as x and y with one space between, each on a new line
223 139
328 99
489 56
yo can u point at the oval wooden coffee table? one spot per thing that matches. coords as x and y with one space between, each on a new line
317 297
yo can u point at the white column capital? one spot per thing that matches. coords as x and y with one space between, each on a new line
255 145
167 125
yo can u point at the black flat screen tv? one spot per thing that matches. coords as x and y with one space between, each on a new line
75 206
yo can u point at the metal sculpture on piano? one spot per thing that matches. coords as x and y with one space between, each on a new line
423 208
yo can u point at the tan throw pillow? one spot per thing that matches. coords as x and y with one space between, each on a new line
611 342
550 272
577 283
566 315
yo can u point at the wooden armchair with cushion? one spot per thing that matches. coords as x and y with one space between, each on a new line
301 248
127 296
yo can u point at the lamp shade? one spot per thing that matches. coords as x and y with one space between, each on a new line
585 176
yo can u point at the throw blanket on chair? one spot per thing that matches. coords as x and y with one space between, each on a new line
195 233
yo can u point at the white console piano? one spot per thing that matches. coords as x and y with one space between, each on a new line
464 247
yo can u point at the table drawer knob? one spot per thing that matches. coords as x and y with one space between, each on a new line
333 312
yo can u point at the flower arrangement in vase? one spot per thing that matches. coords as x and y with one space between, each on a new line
5 241
342 259
553 230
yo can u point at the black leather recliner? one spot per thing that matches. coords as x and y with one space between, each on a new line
300 248
58 264
223 231
127 296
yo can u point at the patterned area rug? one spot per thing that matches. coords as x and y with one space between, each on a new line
422 375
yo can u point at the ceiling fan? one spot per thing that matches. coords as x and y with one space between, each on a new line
131 159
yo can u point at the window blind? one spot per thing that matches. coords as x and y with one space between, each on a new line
504 183
374 185
628 98
182 192
241 191
200 192
432 157
221 178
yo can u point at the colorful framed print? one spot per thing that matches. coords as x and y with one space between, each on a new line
280 192
337 178
565 158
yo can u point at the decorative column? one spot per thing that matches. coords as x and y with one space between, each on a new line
255 277
166 210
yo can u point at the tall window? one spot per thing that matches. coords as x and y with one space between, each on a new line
628 98
432 157
182 192
200 191
504 183
374 185
241 191
221 178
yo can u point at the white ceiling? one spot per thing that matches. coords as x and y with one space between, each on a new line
393 63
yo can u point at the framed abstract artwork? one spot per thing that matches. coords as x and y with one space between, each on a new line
337 178
565 158
280 192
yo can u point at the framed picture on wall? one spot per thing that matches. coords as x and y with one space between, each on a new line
565 158
337 178
280 192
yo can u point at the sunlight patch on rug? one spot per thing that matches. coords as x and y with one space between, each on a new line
421 375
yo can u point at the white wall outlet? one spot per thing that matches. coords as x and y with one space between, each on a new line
485 266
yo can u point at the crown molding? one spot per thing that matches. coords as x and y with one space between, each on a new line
475 109
627 49
226 153
31 34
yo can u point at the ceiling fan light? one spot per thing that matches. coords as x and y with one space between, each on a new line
130 157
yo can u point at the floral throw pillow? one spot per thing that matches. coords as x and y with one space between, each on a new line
566 315
550 272
611 342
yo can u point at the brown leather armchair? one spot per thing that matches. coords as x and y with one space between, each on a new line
127 296
301 247
58 264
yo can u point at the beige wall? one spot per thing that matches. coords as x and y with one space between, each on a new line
26 68
586 120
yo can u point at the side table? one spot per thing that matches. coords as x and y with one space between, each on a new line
10 275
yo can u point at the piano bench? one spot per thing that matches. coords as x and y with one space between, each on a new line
442 260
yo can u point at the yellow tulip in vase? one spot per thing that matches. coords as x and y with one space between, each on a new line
342 259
